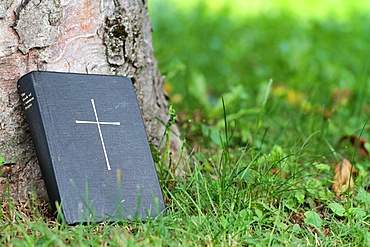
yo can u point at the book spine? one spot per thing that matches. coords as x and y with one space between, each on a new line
27 89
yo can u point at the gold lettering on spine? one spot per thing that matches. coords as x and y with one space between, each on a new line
27 100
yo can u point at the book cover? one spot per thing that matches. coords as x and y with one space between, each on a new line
92 146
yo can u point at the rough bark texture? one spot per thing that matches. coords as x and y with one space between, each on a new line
88 36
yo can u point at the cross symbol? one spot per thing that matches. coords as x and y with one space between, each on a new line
98 123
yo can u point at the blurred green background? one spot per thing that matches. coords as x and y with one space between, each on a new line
316 52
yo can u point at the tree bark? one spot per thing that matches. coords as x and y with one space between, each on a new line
85 36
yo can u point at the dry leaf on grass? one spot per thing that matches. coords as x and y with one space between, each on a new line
279 172
358 142
343 177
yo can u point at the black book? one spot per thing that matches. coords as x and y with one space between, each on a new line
92 147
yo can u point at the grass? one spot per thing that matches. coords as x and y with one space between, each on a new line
262 151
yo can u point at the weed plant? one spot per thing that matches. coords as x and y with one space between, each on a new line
263 97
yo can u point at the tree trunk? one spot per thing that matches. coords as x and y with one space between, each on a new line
86 36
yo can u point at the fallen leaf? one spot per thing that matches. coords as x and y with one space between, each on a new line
326 231
358 142
343 177
279 172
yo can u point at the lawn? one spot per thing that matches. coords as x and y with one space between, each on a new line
272 98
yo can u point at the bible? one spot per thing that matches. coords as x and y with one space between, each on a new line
91 145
